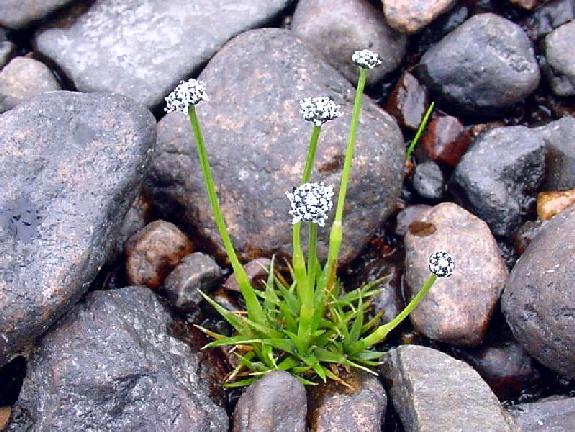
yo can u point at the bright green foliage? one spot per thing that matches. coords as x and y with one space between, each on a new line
307 326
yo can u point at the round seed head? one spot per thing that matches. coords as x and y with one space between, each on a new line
310 202
366 59
319 109
186 93
441 264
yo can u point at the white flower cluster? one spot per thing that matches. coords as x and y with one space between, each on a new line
187 93
319 109
441 264
310 202
366 59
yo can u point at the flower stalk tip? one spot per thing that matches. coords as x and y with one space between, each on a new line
186 94
441 264
310 202
366 59
319 110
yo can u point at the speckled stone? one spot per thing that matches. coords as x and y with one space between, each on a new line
410 16
560 64
17 14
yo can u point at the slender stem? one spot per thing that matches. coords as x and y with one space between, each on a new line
420 130
381 332
255 311
311 151
336 234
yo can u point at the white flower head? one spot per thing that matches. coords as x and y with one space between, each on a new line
186 93
366 59
310 202
441 264
319 109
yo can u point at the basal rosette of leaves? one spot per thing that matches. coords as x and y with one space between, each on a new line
305 323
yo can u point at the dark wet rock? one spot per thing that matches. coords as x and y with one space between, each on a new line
445 140
7 48
335 408
137 217
528 4
408 101
339 27
486 63
409 16
548 17
71 166
17 14
539 302
498 176
457 310
110 365
22 79
559 63
506 367
432 391
428 180
153 252
257 143
275 403
142 48
408 215
555 414
559 137
525 235
197 272
550 204
257 271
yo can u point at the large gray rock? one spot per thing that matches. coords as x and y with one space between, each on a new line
19 13
142 48
486 63
432 391
499 175
257 142
71 165
338 28
22 79
546 415
457 310
559 138
110 365
539 300
560 62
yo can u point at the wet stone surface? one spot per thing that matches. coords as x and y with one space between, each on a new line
445 140
408 101
428 180
17 14
409 16
547 415
548 17
560 64
559 138
72 165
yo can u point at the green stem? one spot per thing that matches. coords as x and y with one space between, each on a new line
420 130
255 311
311 151
336 234
382 331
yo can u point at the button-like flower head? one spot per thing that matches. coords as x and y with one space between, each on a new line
310 202
319 109
187 93
441 264
366 59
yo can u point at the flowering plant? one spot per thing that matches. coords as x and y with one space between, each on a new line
308 326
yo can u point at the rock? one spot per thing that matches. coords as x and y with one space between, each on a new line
340 27
457 310
505 366
432 391
559 138
275 403
538 301
408 215
560 65
497 178
549 204
485 64
257 142
7 48
111 365
525 235
197 272
142 48
546 415
17 14
153 252
527 4
335 408
410 16
4 416
445 140
548 17
408 102
428 180
136 219
22 79
257 271
71 165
